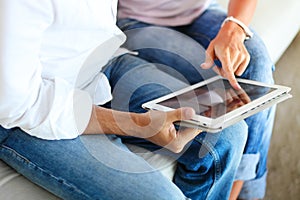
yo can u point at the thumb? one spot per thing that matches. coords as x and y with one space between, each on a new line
181 114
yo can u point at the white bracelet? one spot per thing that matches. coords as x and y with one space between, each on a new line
245 28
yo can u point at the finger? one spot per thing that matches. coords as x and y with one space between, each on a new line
181 114
227 69
188 134
172 131
218 71
235 60
243 65
183 137
232 80
225 59
209 59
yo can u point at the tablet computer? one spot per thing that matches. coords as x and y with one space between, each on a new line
218 105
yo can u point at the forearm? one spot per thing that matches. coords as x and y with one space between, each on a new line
110 121
155 126
242 10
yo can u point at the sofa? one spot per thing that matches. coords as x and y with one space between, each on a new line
277 22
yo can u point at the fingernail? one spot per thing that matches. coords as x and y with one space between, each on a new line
189 113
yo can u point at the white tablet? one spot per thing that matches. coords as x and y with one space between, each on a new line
218 105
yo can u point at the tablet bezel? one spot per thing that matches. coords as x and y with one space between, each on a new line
219 122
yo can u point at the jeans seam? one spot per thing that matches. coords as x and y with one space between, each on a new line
216 159
214 155
29 163
128 24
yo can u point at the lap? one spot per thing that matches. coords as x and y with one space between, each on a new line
88 167
135 81
260 68
202 30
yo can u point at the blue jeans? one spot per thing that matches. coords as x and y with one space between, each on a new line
180 54
102 167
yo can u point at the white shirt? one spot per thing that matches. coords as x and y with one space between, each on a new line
52 52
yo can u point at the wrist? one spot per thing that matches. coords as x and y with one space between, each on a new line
248 33
234 31
108 121
137 124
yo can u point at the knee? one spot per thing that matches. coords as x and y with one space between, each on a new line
157 188
236 135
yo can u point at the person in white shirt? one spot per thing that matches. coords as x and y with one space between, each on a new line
232 50
59 62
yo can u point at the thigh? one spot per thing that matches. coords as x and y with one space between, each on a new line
206 169
88 167
181 59
135 81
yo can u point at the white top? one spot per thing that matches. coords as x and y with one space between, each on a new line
162 12
52 52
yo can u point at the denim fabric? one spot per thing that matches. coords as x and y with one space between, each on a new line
68 169
101 166
180 53
205 168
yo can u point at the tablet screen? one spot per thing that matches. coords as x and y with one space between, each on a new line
217 98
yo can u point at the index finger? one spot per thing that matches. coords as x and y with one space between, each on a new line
228 70
232 80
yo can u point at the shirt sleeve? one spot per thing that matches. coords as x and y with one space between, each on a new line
48 109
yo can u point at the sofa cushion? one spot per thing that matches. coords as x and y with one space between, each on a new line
14 186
